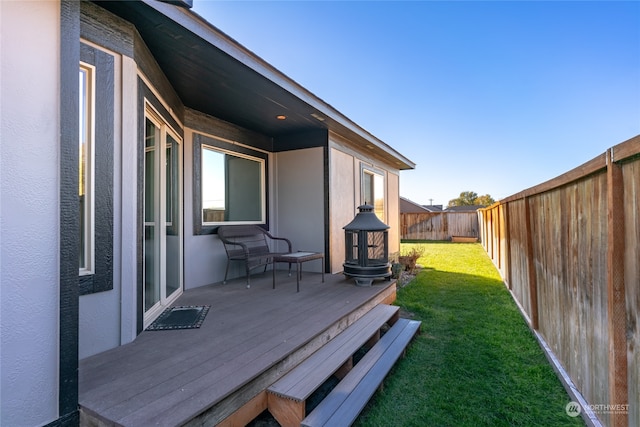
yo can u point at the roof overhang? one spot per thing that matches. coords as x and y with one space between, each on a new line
214 74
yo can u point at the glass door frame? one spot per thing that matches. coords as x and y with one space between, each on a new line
160 223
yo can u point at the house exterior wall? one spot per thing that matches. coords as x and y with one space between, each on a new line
108 319
99 329
299 183
29 212
342 173
204 256
125 208
345 183
393 209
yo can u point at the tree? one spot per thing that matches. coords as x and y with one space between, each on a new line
485 200
470 198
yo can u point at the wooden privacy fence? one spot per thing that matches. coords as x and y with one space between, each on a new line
569 251
438 225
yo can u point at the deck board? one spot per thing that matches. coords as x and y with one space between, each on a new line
168 377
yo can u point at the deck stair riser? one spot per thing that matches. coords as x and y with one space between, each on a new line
287 396
345 402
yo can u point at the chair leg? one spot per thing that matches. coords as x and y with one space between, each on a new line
248 276
226 271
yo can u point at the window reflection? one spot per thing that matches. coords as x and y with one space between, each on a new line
85 169
373 191
232 187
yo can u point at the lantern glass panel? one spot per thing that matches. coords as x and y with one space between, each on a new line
351 239
376 248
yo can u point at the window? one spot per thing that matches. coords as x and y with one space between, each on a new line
373 191
86 169
96 105
233 187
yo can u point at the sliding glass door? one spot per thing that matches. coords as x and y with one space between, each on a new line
162 216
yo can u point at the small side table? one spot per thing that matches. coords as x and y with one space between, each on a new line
297 258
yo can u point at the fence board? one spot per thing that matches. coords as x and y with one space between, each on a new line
518 247
631 183
438 225
556 243
569 234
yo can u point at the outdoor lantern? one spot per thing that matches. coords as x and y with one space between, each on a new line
366 247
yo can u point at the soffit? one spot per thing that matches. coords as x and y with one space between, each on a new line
212 73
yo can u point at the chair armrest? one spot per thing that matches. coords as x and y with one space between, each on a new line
244 247
284 239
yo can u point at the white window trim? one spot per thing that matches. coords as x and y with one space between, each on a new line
89 136
263 202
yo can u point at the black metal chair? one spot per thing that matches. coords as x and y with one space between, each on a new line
252 244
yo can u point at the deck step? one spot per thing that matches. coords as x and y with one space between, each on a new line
345 402
287 396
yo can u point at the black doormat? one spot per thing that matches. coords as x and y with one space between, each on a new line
182 317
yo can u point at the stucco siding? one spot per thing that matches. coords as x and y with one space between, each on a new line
342 202
108 319
99 313
204 255
299 183
29 212
393 211
346 169
126 208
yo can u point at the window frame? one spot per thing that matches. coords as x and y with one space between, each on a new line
373 172
100 279
261 163
225 146
164 131
87 138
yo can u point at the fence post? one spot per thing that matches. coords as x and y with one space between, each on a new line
616 304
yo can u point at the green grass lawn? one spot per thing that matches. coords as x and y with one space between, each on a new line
475 363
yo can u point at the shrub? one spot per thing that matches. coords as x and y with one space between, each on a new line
410 257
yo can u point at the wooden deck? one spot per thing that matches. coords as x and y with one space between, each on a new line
249 339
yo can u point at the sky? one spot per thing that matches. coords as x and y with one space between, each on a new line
486 96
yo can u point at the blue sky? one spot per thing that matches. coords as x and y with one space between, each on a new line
492 97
